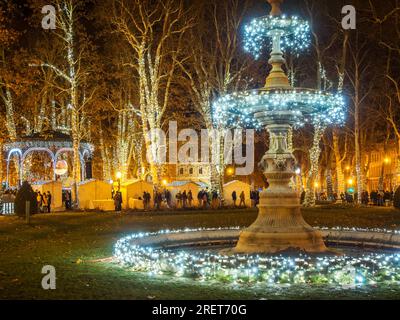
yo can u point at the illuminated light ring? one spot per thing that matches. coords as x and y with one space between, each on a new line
253 108
148 252
295 33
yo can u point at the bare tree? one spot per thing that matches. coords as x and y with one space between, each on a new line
213 67
356 74
322 83
74 75
154 32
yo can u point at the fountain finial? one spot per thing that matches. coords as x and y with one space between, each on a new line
277 79
275 10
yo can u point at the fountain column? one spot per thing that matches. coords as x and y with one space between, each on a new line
279 225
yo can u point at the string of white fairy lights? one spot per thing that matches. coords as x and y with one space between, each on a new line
295 34
300 105
365 269
238 109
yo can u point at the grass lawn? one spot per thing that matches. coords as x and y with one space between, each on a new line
72 241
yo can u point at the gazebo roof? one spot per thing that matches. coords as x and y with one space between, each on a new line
47 135
49 139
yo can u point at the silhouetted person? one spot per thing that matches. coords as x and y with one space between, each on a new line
242 198
49 198
234 197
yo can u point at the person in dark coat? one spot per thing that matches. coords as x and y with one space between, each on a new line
49 198
234 197
184 199
190 198
118 201
200 197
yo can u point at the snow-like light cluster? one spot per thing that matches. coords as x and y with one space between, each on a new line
295 33
238 109
368 268
358 229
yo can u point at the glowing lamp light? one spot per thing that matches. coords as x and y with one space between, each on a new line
297 171
230 171
61 167
350 182
119 175
316 184
164 182
386 160
347 168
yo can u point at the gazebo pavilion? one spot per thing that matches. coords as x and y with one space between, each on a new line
54 143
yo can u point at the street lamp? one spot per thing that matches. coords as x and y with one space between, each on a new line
119 175
350 182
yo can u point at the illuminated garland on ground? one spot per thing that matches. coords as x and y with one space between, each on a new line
295 33
240 109
357 229
369 268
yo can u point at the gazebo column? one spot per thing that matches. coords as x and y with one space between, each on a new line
21 171
54 168
83 168
8 174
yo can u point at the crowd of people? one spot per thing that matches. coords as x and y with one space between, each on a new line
376 198
186 199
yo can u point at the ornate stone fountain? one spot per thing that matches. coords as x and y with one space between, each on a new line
278 107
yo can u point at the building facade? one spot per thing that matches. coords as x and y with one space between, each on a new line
383 168
195 171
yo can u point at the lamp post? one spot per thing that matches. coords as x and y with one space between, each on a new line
230 171
119 175
350 182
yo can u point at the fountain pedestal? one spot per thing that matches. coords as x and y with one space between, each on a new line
279 225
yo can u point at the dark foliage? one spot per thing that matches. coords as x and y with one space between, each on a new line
25 193
396 198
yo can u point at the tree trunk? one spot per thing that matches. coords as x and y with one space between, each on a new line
105 159
42 114
338 160
10 121
315 151
76 156
359 171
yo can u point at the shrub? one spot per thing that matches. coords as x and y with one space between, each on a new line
396 198
25 193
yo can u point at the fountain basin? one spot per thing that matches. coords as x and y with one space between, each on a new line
196 254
